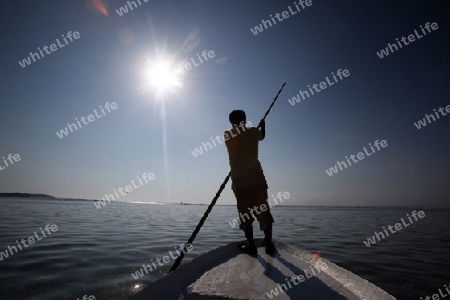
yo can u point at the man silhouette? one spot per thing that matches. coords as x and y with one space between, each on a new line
248 182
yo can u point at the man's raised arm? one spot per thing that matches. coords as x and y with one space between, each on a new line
262 127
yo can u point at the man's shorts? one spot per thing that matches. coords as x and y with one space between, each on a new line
251 191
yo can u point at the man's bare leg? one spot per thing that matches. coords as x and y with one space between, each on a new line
250 247
270 247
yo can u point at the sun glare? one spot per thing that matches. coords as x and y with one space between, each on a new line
163 77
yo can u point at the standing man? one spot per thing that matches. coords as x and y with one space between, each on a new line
248 182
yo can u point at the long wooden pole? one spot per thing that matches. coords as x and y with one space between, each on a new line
222 186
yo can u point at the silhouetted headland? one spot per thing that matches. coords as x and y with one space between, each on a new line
25 195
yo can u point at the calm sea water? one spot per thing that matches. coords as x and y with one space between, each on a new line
95 251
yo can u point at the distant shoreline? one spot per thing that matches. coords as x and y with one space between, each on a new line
39 196
50 197
25 195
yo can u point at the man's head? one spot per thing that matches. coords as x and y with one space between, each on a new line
236 117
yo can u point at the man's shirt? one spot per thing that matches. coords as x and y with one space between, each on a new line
242 146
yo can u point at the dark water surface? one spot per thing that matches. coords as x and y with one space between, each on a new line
95 250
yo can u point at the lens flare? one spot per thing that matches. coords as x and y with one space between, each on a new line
99 6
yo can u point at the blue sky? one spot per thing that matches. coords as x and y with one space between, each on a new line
380 100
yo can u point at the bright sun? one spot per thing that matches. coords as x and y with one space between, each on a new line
162 76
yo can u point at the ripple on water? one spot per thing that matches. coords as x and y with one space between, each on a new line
95 251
